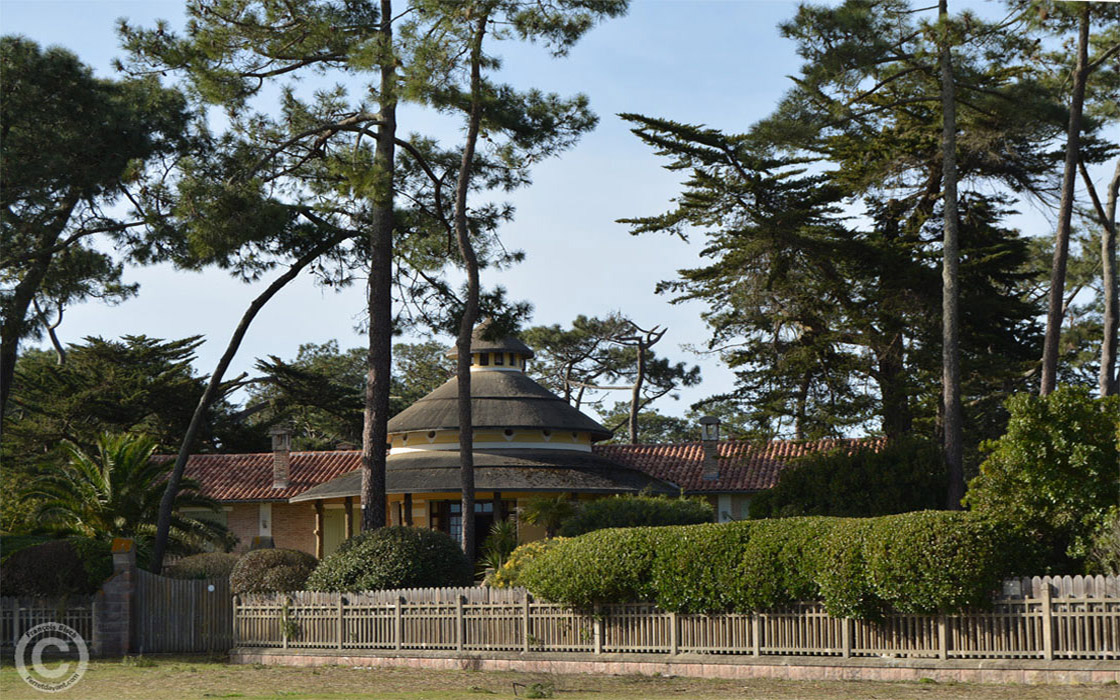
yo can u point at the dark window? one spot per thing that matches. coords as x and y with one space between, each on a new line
512 360
484 359
498 358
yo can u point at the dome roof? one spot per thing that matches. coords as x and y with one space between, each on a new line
498 400
506 344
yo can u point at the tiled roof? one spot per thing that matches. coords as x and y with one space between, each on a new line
743 466
248 477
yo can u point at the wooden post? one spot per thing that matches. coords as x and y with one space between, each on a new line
943 637
319 527
15 624
348 525
1047 623
674 643
285 619
408 509
398 623
499 507
341 625
459 631
756 635
525 624
846 637
597 629
236 636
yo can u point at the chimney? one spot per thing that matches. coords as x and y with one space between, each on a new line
709 439
281 455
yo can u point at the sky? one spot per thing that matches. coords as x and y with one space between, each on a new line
719 63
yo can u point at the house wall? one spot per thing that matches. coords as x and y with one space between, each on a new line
242 520
293 526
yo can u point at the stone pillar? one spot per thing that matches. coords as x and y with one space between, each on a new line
112 629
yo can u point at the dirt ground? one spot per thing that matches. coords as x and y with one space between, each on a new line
167 678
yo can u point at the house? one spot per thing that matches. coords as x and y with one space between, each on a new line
527 441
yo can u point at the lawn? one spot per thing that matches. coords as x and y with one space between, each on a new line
167 678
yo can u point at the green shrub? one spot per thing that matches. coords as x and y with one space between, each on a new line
71 566
1104 554
636 511
270 570
393 557
677 583
778 562
936 561
604 566
509 574
1054 472
902 476
858 567
203 566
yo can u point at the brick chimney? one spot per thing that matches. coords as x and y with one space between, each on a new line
281 455
709 439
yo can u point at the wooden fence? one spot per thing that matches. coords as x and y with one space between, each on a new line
176 615
18 615
1037 619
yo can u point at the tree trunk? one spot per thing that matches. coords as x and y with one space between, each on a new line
167 503
952 442
380 301
1065 211
636 392
897 419
470 309
14 324
1108 379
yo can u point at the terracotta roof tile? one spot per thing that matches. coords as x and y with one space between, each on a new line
248 477
743 466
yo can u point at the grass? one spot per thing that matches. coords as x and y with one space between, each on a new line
173 677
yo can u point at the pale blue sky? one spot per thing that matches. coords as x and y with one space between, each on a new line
720 63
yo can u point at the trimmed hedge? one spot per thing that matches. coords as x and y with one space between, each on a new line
393 557
203 566
636 511
271 570
76 565
924 562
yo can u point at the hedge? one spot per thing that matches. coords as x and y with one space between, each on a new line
923 562
393 557
271 570
75 565
203 566
636 511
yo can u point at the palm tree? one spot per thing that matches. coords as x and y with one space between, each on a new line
116 493
548 513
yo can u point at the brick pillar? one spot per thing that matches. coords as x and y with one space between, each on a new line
112 630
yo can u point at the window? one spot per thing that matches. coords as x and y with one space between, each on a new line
498 359
512 360
484 359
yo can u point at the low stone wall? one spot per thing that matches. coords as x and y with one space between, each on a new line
1026 671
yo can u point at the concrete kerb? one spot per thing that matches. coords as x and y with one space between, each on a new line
1022 671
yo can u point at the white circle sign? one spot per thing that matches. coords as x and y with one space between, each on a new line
61 639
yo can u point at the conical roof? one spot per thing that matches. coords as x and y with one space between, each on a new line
498 400
481 344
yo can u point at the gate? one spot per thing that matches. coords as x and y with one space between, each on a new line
175 615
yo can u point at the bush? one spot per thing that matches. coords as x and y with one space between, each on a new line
509 574
605 566
1053 473
636 511
393 557
203 566
270 570
903 476
72 566
914 562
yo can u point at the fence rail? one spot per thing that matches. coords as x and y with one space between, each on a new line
1023 626
18 615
